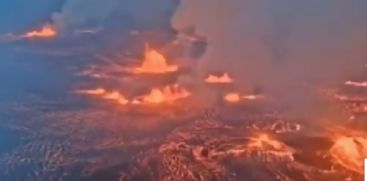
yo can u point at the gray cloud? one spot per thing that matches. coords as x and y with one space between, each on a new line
79 13
287 47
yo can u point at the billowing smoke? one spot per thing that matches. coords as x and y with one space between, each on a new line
95 13
288 48
80 12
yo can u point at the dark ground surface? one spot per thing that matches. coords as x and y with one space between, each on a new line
49 134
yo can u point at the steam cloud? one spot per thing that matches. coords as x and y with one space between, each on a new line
286 47
82 13
79 12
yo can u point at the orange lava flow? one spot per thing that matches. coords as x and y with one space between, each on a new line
342 97
98 91
253 97
168 94
47 31
349 149
356 84
108 95
263 141
224 79
236 97
232 97
154 63
273 147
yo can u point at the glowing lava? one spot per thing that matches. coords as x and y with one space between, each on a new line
47 31
168 94
253 97
224 79
342 97
236 97
154 63
356 84
98 91
349 149
264 141
232 97
270 148
108 95
116 96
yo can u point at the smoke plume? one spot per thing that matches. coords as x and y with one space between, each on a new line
95 13
79 12
286 47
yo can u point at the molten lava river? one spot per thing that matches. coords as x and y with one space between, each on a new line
156 131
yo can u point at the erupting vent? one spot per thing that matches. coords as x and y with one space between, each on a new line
224 79
154 63
46 31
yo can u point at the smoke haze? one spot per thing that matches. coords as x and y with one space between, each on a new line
82 13
286 47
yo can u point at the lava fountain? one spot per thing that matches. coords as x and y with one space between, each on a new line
349 152
224 79
114 96
236 97
154 63
232 97
46 31
350 149
168 94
